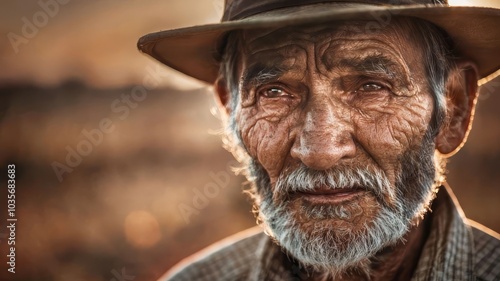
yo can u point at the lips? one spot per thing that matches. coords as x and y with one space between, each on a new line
326 195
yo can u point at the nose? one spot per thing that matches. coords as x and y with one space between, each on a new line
325 137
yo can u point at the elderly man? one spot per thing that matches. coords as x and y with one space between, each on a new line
343 114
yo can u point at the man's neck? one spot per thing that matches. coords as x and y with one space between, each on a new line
398 262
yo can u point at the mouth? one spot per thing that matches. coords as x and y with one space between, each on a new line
325 195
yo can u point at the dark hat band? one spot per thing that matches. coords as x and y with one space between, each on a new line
240 9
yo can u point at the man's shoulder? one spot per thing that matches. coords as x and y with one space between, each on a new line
487 252
229 259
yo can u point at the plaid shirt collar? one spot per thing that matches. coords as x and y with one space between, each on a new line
448 253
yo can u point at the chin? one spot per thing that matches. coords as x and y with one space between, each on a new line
334 240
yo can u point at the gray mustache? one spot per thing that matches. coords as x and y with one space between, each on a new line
304 179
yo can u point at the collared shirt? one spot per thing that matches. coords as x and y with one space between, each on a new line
455 249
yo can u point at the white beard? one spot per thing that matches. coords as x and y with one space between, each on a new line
324 242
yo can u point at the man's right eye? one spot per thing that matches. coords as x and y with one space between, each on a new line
274 92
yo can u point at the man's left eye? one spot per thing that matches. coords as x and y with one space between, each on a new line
371 87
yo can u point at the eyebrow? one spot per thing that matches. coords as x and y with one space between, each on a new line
374 65
260 73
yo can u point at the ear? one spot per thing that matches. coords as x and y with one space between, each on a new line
461 96
222 94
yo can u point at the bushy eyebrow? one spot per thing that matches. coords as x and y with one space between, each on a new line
376 65
259 73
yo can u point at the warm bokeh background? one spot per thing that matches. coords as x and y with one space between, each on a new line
121 207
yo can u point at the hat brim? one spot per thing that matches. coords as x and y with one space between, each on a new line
193 50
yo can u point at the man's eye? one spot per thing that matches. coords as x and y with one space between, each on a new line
274 93
371 87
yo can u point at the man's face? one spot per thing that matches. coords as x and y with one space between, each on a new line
336 122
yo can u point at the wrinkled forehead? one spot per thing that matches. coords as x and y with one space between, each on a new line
333 47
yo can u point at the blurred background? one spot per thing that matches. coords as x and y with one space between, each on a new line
120 172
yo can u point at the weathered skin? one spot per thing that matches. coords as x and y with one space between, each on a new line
327 96
324 112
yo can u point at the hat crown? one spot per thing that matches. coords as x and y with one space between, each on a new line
240 9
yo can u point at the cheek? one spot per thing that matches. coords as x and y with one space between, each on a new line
387 132
267 138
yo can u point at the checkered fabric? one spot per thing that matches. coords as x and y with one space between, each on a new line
456 249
